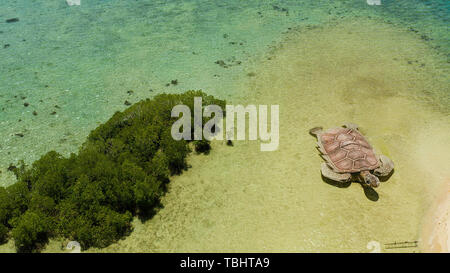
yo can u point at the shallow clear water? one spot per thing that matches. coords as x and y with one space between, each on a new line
324 62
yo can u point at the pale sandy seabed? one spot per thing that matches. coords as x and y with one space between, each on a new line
239 199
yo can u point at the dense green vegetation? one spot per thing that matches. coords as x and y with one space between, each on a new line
121 171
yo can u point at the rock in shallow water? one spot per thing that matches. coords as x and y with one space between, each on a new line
12 20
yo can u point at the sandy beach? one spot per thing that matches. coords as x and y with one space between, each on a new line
436 232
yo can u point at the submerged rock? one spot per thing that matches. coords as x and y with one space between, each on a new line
12 20
221 63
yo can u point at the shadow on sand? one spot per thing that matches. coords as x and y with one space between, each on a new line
370 193
336 183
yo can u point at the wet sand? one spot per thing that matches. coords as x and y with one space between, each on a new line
436 231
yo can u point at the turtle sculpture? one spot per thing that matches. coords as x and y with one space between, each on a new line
348 154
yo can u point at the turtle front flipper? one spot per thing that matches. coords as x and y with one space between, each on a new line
330 174
386 166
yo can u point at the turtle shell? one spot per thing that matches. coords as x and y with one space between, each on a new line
347 151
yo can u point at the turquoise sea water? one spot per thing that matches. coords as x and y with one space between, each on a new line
80 61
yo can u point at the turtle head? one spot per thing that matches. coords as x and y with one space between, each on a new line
370 179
